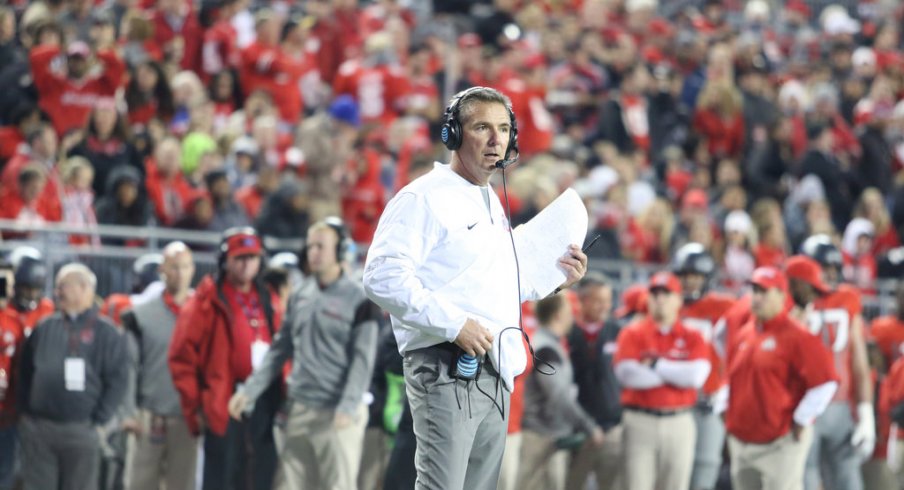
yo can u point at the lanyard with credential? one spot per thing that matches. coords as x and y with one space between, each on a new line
74 334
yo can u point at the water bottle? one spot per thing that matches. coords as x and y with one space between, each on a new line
467 366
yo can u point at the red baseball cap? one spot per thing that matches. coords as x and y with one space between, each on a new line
665 280
695 198
768 278
243 244
634 300
805 269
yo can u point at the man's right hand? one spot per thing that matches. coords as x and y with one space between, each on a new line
133 426
796 431
474 338
237 405
597 437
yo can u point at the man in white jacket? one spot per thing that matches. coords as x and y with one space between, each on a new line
442 264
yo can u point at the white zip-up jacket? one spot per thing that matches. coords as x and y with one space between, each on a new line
439 257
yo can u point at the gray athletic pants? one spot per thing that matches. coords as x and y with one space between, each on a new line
832 456
458 424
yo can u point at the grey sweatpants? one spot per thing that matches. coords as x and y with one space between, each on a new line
708 450
57 455
460 431
832 456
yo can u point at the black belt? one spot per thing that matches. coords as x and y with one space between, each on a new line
658 412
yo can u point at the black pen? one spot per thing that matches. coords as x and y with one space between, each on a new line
585 250
591 244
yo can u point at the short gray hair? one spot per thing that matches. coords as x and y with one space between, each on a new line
469 97
81 271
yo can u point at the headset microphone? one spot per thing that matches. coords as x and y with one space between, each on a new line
503 164
507 162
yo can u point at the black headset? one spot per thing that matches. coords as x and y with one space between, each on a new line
343 244
451 133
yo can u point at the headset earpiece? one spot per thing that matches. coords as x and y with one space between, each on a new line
451 132
343 243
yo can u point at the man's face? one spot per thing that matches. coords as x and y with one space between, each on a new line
32 190
321 250
78 66
831 274
798 290
29 294
242 269
71 292
663 304
47 143
766 303
127 193
485 135
596 303
692 283
178 271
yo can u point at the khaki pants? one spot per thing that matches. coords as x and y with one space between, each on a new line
778 465
508 474
659 450
543 466
877 475
374 459
606 462
164 452
319 456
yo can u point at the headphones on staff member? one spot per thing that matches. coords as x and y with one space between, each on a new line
343 244
451 133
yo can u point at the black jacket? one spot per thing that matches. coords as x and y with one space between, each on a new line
598 390
103 350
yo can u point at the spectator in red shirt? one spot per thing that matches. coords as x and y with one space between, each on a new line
148 95
719 119
12 336
872 207
220 50
68 94
167 188
377 81
24 119
41 150
252 196
264 66
23 204
177 30
363 202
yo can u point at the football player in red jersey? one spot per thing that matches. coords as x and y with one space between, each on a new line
845 435
702 311
886 343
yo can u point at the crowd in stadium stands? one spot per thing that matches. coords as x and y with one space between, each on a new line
742 127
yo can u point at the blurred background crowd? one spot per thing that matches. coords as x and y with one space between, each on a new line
745 126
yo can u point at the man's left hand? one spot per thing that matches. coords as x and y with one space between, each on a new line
574 264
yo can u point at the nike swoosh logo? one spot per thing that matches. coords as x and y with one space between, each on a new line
472 226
